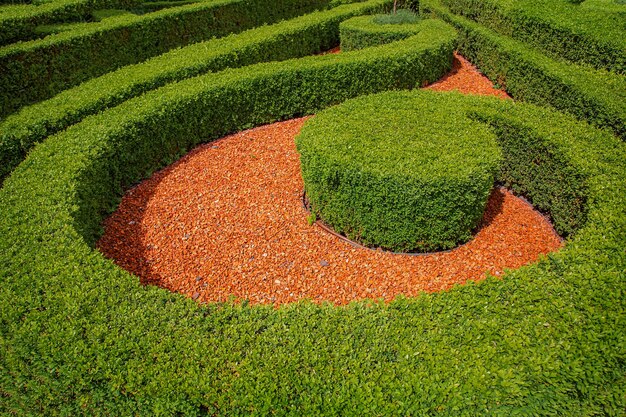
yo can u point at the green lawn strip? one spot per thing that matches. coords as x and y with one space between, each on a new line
582 35
79 336
527 74
77 365
37 70
297 37
363 31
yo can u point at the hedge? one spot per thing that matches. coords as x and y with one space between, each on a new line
79 336
300 36
362 32
18 23
398 171
591 36
36 70
526 74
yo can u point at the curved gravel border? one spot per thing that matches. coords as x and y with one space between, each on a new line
227 220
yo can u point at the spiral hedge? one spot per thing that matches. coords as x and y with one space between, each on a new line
80 336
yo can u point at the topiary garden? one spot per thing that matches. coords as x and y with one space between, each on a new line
104 100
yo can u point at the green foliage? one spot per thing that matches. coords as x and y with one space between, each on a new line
582 35
78 336
151 6
401 171
400 17
363 31
298 37
36 70
20 22
526 74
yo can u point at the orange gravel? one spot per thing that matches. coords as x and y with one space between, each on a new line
466 79
227 220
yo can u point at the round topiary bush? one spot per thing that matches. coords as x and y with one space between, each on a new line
399 171
365 31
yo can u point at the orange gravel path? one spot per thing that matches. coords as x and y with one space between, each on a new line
227 220
466 79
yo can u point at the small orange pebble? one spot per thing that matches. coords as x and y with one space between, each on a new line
219 223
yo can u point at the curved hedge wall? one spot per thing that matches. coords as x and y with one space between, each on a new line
297 37
363 31
579 34
19 22
385 177
596 96
36 70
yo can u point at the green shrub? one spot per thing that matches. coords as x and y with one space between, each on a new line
596 96
400 17
581 35
399 171
293 38
363 31
19 23
36 70
78 336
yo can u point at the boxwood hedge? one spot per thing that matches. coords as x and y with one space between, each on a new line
19 22
596 96
79 336
36 70
300 36
398 171
363 31
583 35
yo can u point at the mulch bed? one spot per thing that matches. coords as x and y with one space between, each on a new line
227 220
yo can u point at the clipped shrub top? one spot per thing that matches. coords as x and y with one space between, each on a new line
365 31
401 171
401 17
394 134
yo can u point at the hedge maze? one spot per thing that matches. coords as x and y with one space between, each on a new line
93 109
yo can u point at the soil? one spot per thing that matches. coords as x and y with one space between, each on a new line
228 220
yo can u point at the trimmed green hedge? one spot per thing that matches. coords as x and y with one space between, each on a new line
301 36
79 336
596 96
36 70
362 32
398 171
588 35
18 23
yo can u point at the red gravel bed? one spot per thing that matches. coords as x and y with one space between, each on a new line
466 79
227 220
